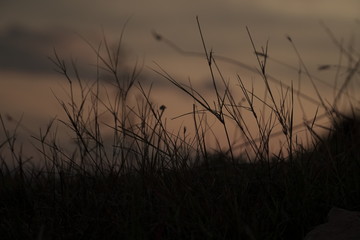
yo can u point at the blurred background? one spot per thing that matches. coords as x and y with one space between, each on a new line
30 30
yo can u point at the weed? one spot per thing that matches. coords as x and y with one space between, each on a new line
149 182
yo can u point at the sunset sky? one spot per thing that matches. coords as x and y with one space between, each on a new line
29 30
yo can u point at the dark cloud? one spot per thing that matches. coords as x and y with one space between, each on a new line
25 50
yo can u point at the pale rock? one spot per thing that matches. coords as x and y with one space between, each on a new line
342 225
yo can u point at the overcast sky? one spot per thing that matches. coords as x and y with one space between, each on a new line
29 30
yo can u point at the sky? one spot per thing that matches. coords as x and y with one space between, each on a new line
30 30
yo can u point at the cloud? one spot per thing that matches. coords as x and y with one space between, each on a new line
25 50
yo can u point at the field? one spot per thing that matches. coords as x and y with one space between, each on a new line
149 182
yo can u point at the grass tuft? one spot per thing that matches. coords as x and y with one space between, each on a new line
127 176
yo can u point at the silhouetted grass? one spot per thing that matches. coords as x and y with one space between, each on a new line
148 182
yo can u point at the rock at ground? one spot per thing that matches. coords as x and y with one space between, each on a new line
342 225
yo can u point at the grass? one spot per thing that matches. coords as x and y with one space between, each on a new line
149 182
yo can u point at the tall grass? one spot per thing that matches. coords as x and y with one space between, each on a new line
150 182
